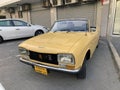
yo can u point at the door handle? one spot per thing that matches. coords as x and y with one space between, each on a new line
18 29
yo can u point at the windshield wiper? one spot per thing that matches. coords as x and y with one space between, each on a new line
67 30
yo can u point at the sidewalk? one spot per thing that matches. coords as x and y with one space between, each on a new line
114 45
116 42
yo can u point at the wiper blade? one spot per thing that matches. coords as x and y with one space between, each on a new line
67 30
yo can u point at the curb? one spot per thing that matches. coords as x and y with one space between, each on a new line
115 56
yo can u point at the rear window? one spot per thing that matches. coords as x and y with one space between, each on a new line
19 23
5 23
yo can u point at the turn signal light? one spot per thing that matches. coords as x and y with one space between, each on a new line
70 67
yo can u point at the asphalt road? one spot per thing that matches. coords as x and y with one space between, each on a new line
14 75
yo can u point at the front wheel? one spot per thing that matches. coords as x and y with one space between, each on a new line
1 39
82 73
38 32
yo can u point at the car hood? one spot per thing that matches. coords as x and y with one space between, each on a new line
59 42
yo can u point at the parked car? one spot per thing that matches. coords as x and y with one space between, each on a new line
67 47
15 28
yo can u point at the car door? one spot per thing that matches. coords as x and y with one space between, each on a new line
23 29
7 30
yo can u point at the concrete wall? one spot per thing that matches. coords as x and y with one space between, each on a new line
98 18
111 17
4 13
82 11
40 15
104 20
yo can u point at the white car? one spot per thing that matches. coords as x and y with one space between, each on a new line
15 28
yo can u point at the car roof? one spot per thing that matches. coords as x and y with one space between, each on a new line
10 19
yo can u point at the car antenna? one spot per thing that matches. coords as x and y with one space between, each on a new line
87 29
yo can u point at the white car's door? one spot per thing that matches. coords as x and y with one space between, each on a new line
22 29
7 30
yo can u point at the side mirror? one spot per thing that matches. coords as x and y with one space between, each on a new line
48 29
28 25
92 28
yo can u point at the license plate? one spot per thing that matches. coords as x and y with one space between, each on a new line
41 70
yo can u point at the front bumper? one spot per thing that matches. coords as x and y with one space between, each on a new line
49 67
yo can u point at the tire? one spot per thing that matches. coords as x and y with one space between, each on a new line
1 39
97 46
82 73
38 32
32 66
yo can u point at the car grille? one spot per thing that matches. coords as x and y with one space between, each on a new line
42 57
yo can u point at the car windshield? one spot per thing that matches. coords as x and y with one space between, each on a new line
70 25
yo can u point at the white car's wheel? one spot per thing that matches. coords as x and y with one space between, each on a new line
38 32
1 39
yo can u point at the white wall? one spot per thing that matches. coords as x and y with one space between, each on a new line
7 2
104 20
111 17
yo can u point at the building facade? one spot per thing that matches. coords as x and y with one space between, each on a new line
45 12
114 18
116 29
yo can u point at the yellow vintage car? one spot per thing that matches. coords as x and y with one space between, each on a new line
66 47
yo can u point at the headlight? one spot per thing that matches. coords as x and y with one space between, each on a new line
66 59
23 51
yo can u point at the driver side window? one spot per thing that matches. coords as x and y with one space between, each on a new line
19 23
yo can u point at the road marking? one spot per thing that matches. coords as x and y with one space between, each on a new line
1 87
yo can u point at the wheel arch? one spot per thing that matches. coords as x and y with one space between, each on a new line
38 30
2 39
88 54
82 56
